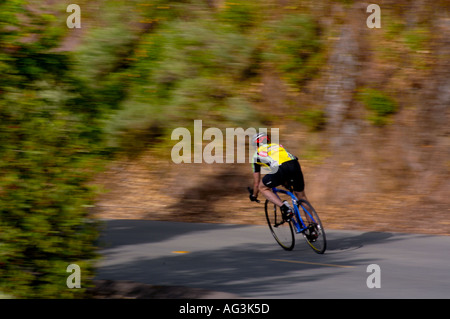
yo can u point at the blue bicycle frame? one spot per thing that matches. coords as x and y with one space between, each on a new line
298 223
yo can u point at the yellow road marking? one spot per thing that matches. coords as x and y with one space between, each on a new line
310 263
181 252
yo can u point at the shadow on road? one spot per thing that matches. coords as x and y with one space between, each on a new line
252 265
130 232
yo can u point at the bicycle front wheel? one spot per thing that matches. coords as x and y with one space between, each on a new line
315 233
282 231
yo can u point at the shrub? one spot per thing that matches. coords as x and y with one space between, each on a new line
380 105
314 119
185 70
242 14
294 47
50 146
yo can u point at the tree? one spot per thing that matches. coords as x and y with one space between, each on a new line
50 144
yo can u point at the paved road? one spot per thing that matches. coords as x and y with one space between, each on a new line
246 261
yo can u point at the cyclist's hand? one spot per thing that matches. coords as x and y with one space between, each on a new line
252 197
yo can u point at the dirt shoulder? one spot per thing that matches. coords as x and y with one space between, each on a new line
207 194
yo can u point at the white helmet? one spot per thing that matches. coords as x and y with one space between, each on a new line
260 138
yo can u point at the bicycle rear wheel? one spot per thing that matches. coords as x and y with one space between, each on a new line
282 231
315 233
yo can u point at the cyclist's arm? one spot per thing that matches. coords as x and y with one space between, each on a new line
256 181
256 174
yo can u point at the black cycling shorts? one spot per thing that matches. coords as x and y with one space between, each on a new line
288 173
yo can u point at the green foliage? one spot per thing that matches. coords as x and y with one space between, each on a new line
295 47
51 145
417 38
393 28
241 14
102 52
380 105
199 67
314 119
182 71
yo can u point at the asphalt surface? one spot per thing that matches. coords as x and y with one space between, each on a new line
242 261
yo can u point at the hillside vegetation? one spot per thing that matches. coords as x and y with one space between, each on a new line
87 116
366 110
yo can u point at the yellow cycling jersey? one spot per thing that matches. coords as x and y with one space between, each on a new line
270 156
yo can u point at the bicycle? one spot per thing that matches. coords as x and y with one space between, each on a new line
305 221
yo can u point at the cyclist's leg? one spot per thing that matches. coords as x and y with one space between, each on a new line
270 181
270 195
297 181
301 195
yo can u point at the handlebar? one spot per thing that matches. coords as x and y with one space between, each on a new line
250 190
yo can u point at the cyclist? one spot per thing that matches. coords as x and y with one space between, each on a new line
284 170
